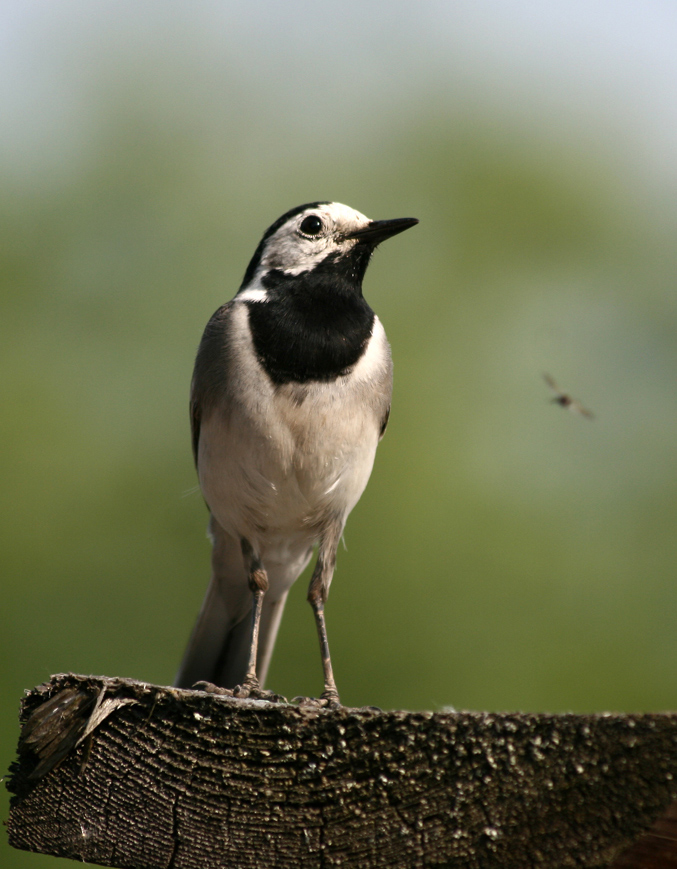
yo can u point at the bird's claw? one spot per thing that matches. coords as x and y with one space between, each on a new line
211 688
323 702
245 691
253 691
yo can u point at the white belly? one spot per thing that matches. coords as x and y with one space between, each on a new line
278 464
278 475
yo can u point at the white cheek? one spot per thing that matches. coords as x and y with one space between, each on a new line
297 255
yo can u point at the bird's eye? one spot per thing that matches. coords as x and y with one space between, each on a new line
311 225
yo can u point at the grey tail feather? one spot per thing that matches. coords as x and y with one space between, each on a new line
219 654
218 649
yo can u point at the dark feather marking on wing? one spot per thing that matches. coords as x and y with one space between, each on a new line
195 418
384 424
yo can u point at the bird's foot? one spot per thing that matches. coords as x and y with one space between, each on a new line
326 701
245 691
251 690
330 698
211 688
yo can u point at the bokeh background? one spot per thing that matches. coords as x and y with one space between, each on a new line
506 554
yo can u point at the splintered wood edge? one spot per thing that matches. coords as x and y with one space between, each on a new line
128 774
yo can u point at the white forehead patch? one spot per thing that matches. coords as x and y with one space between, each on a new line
292 252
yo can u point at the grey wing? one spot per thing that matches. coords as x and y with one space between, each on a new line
210 374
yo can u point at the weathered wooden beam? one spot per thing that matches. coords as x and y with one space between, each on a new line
127 774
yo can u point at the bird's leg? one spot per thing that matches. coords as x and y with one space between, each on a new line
258 584
317 596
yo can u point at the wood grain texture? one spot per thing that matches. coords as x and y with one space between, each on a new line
148 777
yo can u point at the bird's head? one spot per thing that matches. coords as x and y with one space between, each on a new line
319 236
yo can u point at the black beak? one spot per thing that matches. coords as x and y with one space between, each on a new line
379 230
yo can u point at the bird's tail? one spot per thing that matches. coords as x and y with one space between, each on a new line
218 649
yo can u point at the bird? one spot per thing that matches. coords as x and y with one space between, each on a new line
565 400
290 397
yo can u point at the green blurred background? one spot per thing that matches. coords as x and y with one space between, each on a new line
506 554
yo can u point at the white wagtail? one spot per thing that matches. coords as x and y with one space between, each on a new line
290 397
